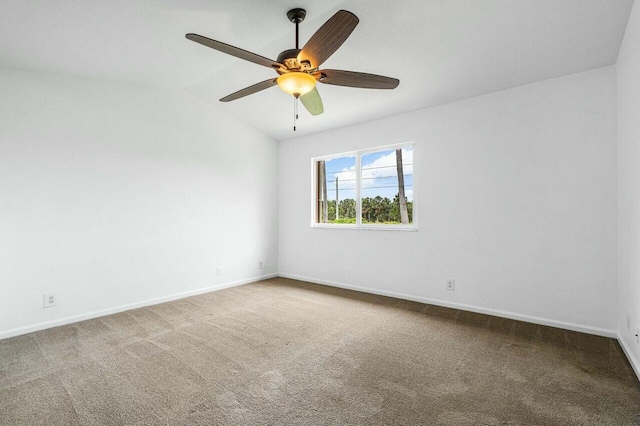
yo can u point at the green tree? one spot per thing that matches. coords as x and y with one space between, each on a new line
381 208
347 208
331 210
367 209
395 210
394 214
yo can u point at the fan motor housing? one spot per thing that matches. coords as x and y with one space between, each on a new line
288 54
289 58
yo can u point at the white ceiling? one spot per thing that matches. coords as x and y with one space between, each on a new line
441 50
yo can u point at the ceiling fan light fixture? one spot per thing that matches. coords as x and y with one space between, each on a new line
296 83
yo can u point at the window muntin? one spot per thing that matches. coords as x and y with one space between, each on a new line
369 192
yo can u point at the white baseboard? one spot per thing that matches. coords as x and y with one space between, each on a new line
504 314
95 314
632 360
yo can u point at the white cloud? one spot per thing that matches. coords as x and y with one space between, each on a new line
374 173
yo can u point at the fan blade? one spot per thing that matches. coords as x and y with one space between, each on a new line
233 51
328 38
250 90
312 102
357 79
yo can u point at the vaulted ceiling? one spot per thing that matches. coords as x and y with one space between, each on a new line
441 50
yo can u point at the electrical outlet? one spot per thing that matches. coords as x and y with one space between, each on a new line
49 300
219 270
451 285
260 264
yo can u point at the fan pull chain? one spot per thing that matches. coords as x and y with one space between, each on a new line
295 112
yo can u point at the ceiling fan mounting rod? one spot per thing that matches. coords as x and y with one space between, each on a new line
296 16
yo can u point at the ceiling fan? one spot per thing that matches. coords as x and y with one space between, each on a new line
299 69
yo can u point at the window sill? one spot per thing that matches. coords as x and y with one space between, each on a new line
406 228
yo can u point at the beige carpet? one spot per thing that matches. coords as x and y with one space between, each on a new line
284 352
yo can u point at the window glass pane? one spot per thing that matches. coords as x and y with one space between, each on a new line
337 187
387 187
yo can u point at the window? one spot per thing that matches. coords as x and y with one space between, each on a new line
365 189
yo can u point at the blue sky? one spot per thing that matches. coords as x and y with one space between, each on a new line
378 175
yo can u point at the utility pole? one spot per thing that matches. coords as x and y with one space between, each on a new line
337 200
402 199
323 212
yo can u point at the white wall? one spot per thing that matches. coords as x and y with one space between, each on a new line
516 192
114 195
628 69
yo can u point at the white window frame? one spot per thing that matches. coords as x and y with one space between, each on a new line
359 225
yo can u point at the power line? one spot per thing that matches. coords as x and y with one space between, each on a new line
386 167
388 186
372 178
370 168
